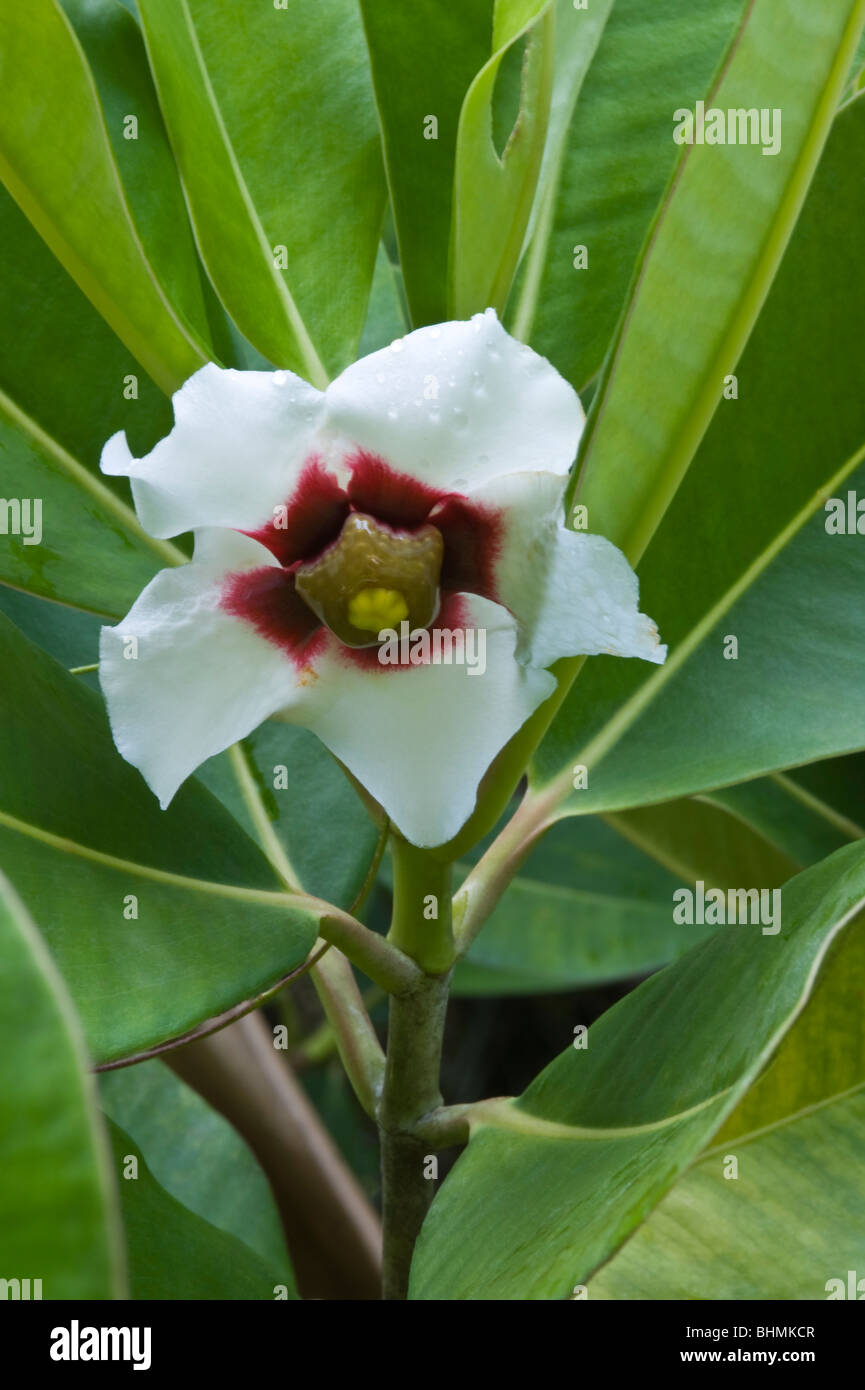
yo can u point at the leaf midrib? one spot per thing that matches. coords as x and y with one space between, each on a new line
262 896
313 365
756 284
88 482
750 1136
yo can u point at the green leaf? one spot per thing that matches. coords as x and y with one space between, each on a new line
743 551
87 846
176 1254
327 835
587 907
720 234
609 157
127 243
328 838
93 552
801 634
793 1217
808 812
424 57
70 636
197 1157
58 1218
385 319
573 1166
272 120
493 192
697 840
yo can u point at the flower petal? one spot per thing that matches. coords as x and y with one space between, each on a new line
238 445
420 739
195 679
458 403
572 593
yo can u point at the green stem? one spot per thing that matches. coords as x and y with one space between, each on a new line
421 928
411 1091
359 1048
421 924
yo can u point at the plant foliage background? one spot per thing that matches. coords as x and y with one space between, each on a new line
255 184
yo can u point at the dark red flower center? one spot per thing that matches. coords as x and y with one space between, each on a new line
345 553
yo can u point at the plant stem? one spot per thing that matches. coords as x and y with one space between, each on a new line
381 960
487 881
421 928
411 1090
421 922
350 1026
333 1233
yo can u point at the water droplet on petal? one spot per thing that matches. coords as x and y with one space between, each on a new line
397 346
435 332
392 413
280 378
379 376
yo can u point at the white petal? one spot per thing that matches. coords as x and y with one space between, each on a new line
199 679
420 739
458 403
589 603
572 593
238 444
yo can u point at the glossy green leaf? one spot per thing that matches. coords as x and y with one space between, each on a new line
156 919
327 835
424 57
808 812
792 1219
580 1159
272 120
715 245
197 1157
176 1254
127 243
58 1218
385 319
593 901
586 907
609 157
493 192
743 552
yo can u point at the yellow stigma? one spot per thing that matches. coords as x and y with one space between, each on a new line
371 610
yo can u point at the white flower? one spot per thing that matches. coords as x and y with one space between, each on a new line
448 449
